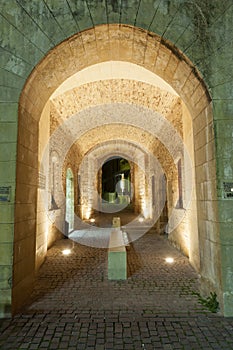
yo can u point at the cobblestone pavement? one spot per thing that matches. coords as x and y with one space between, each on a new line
74 306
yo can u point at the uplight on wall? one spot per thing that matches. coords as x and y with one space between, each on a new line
88 214
145 211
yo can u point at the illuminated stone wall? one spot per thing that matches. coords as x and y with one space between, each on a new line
30 31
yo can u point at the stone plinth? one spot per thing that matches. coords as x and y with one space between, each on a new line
117 259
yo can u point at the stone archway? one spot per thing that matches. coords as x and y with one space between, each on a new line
115 43
99 154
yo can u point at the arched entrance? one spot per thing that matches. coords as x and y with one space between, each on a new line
69 200
116 181
161 59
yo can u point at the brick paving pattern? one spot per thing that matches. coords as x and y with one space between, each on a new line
74 306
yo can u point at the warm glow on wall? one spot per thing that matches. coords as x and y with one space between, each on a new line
87 214
145 210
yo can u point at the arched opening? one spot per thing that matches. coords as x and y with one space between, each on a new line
116 181
124 99
69 201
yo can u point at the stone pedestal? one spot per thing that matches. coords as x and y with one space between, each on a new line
117 258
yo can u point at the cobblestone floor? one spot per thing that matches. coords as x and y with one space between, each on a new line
74 306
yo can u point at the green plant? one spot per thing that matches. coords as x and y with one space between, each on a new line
211 302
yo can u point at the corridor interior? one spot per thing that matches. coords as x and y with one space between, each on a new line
98 157
108 136
150 186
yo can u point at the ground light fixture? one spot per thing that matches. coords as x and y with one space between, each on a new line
66 252
140 219
169 260
92 220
